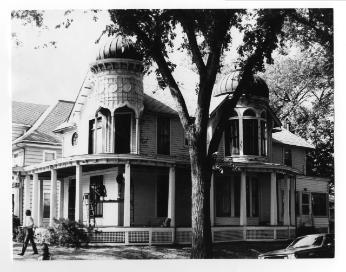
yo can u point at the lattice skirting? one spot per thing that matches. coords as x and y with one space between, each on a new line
183 235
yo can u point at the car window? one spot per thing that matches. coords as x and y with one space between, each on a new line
307 241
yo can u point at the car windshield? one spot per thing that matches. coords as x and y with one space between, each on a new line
307 241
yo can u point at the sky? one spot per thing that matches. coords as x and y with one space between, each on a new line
46 74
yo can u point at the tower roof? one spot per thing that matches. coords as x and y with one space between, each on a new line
229 83
118 47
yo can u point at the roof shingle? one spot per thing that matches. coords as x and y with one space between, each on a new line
27 113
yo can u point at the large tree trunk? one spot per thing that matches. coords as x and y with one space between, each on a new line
201 230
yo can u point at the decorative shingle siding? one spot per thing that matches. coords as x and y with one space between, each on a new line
277 155
298 159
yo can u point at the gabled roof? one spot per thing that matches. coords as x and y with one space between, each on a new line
288 138
27 113
42 130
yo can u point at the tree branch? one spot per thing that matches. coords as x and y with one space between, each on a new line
189 27
157 55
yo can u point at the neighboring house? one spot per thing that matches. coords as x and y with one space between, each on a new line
33 142
125 168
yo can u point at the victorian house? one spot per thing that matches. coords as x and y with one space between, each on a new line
117 159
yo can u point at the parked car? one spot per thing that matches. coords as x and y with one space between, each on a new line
309 246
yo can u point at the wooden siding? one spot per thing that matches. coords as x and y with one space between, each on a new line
34 155
277 155
312 184
148 134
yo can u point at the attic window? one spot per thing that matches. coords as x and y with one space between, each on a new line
74 139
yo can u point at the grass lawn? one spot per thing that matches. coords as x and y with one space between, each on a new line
232 250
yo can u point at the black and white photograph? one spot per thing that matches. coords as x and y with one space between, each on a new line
172 133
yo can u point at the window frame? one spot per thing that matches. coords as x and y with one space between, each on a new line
48 151
228 137
74 139
158 118
325 195
290 158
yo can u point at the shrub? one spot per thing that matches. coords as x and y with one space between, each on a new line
46 235
70 233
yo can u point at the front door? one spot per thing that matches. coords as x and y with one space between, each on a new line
71 199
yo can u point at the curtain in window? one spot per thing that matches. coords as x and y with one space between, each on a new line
250 127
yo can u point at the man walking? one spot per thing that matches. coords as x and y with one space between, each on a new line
28 227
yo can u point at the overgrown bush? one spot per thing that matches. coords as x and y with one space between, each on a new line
70 233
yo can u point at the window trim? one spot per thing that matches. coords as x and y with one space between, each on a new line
48 151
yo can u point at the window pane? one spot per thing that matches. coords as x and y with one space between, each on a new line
163 135
223 196
250 137
288 157
319 204
249 113
46 205
49 156
236 195
232 138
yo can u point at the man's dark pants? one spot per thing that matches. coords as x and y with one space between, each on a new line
29 236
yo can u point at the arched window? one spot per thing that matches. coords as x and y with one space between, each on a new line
232 135
250 133
74 139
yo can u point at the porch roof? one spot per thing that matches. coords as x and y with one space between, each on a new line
98 159
259 167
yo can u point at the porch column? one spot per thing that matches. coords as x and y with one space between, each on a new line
95 135
112 140
26 194
40 203
66 184
127 196
171 196
273 199
212 209
35 198
293 200
287 201
137 136
243 215
232 197
61 198
79 197
53 199
16 210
